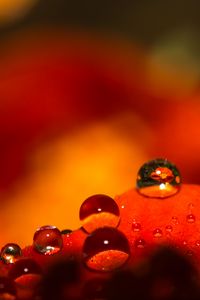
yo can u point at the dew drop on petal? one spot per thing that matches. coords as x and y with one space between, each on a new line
99 211
197 243
190 218
106 249
66 231
140 243
136 227
158 178
10 253
169 228
157 233
24 266
47 240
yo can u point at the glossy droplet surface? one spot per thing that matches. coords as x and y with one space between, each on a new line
10 253
190 218
157 233
48 240
106 249
22 267
158 178
99 211
140 243
136 226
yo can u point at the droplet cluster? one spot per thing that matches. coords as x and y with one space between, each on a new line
105 247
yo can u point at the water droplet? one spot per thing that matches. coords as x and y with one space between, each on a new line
169 228
197 243
140 243
66 231
7 289
22 267
99 211
10 253
175 220
158 178
47 240
136 227
157 233
106 249
190 218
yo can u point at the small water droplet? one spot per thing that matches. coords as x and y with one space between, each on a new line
169 228
157 233
158 178
175 220
197 243
106 249
136 227
99 211
140 243
22 267
10 253
190 218
48 240
66 231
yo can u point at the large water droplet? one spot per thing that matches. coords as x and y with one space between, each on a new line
48 240
158 178
106 249
10 253
99 211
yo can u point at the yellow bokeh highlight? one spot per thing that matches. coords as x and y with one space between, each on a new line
14 9
102 157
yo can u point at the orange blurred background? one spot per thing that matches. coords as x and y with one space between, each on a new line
82 108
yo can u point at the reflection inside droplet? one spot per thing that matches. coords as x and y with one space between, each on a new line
99 211
47 240
10 253
106 249
158 178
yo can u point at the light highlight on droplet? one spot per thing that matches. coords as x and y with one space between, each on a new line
158 178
